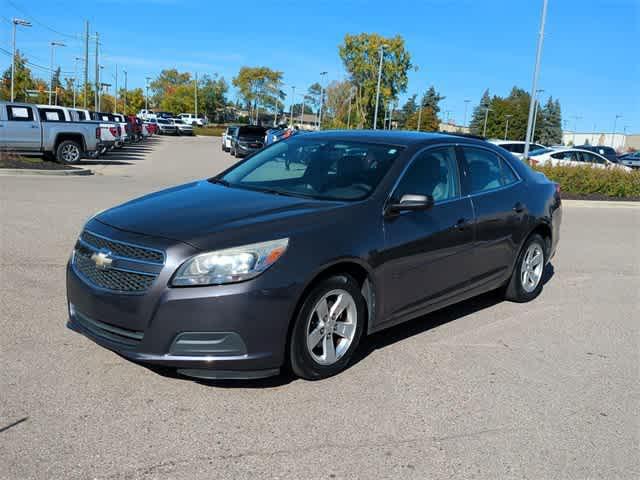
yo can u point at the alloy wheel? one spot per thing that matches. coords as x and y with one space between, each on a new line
70 153
532 267
331 327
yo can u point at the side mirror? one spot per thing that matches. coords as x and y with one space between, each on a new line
410 202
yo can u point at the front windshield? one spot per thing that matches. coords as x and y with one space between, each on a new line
323 169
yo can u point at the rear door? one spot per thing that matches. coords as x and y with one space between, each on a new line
427 253
498 198
22 129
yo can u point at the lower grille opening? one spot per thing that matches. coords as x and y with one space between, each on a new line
119 335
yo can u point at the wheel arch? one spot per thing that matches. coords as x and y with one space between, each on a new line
75 137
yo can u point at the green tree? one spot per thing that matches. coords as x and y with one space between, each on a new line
549 128
336 110
166 83
212 93
360 55
312 96
408 109
23 80
259 87
478 115
134 100
428 119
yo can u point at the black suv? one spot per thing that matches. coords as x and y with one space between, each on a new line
607 152
247 139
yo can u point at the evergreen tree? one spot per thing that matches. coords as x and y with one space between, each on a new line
428 119
549 128
477 118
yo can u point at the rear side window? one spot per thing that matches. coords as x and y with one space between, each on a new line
51 115
514 147
433 172
487 170
19 114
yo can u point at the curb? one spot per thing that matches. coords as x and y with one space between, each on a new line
41 172
600 204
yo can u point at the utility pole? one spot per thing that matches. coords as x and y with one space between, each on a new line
506 126
97 99
375 113
75 79
534 85
99 89
124 109
466 106
195 86
22 23
86 63
146 94
486 117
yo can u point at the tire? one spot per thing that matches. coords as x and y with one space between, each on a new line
69 152
233 152
322 347
526 280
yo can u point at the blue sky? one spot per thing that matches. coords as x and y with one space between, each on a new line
590 59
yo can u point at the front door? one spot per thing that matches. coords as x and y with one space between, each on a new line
21 130
427 253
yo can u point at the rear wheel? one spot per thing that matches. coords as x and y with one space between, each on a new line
69 152
526 280
328 328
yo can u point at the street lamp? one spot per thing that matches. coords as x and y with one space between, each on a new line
53 49
146 94
293 99
375 113
466 106
506 126
124 107
613 135
22 23
486 117
534 85
535 114
322 77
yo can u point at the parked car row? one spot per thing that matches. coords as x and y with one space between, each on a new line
65 134
187 118
598 156
241 140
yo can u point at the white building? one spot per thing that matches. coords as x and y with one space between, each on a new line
617 141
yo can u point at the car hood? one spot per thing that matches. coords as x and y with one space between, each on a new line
191 213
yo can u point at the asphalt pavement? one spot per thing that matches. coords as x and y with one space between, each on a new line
485 389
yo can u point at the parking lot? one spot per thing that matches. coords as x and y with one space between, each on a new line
484 389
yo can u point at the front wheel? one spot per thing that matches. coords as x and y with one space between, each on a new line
526 280
328 328
69 152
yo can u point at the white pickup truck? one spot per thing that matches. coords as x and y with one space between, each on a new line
27 129
192 119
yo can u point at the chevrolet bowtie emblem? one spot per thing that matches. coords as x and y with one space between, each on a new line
102 259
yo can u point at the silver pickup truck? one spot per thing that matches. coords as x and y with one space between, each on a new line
25 129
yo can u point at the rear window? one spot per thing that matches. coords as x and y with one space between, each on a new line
51 115
251 130
19 114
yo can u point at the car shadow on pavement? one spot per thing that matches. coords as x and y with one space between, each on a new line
368 345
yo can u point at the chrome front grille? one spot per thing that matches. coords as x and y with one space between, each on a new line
116 266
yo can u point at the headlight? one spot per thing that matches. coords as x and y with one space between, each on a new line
230 265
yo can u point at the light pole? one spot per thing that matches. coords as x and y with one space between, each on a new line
349 114
146 94
195 94
535 115
293 99
575 127
75 78
124 107
322 81
22 23
301 110
506 126
375 113
534 85
486 117
99 90
53 49
466 106
613 135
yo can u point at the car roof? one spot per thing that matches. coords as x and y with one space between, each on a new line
396 137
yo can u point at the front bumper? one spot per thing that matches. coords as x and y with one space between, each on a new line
220 332
245 149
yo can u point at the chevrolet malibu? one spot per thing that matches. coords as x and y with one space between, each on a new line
291 256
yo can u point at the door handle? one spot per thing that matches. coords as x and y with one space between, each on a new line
518 207
34 126
461 224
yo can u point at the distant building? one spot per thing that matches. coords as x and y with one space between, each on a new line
309 121
453 128
617 141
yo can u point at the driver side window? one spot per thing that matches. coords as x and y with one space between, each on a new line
433 172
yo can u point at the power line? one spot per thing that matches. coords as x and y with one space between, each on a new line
35 65
42 24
